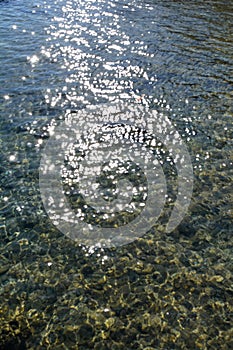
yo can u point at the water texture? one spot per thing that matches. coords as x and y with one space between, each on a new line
164 290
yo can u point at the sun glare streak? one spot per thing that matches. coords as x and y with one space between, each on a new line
80 40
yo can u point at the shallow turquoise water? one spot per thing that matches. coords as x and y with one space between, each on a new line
165 291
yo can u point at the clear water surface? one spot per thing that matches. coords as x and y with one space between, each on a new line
163 291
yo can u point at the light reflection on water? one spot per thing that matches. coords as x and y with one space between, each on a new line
165 56
173 56
93 52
